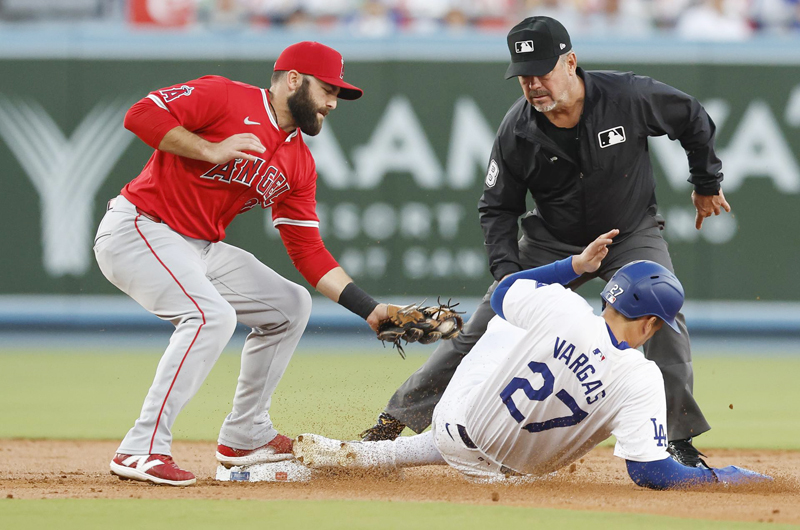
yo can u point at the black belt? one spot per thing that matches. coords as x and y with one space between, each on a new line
462 432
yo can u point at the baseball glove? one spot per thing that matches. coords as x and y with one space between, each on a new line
418 323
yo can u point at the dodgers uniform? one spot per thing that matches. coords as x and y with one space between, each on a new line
543 388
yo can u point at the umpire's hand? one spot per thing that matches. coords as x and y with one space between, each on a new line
706 205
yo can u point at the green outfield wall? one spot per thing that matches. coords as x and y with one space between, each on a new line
400 173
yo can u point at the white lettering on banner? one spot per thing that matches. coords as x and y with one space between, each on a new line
379 221
398 144
471 140
346 221
793 108
332 165
419 263
368 263
66 172
758 149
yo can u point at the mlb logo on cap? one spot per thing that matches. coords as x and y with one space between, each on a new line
535 44
524 46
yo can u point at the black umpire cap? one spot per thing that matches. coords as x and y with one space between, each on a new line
535 44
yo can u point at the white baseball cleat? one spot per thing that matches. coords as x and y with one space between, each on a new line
315 451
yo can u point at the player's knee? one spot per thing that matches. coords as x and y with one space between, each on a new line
222 318
300 306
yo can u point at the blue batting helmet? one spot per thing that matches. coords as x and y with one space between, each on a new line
643 288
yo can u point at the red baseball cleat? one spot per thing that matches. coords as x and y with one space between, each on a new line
158 469
280 448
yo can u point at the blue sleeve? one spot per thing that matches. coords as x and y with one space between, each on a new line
667 473
558 272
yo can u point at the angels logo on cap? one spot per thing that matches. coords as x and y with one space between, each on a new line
323 62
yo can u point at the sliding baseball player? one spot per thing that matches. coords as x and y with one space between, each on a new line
548 382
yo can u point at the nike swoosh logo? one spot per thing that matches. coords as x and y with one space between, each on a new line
248 122
447 428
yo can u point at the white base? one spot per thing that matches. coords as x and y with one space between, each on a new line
285 471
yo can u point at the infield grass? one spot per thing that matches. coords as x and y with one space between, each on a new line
68 514
92 395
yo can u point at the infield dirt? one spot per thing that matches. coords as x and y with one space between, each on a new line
41 469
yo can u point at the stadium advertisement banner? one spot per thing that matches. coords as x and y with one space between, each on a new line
400 173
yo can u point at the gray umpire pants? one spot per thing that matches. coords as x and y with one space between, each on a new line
414 401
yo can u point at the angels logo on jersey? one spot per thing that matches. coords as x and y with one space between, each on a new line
273 184
269 181
171 94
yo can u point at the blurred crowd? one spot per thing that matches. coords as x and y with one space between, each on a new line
688 19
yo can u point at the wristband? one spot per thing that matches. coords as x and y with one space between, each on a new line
357 301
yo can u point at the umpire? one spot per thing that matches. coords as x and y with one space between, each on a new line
577 141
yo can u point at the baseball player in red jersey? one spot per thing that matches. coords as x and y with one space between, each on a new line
221 148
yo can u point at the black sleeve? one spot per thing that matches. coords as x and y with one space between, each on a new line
667 110
500 207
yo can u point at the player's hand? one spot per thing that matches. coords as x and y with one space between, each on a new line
234 147
589 260
708 205
378 315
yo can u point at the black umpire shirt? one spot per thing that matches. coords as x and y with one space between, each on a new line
610 183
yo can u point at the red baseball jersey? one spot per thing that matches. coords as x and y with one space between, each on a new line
200 199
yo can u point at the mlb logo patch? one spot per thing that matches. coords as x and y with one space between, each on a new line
240 476
281 476
491 175
613 136
523 46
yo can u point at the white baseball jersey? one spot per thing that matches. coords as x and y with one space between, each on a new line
541 390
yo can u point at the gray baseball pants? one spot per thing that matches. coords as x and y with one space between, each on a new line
414 401
203 288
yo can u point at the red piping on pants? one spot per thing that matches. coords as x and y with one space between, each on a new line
158 420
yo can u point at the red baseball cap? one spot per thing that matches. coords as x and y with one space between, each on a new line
323 62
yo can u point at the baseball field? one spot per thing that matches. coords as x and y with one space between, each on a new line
64 411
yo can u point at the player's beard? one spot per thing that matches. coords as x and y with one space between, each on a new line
304 110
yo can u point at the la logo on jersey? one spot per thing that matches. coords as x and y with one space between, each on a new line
269 181
171 94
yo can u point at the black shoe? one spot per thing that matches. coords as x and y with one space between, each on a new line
387 428
683 452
